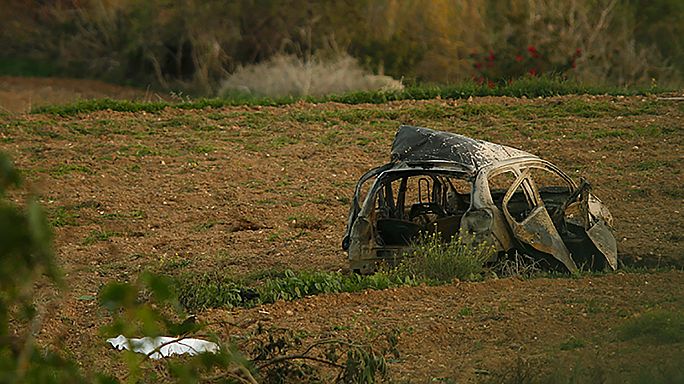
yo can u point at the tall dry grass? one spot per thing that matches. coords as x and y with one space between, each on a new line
292 76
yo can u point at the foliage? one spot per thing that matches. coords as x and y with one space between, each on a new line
281 357
217 290
603 31
25 255
431 262
433 259
150 307
505 66
195 45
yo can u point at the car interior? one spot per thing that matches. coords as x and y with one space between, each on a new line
411 203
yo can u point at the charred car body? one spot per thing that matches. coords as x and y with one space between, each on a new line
452 184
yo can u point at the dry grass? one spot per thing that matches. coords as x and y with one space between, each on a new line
292 76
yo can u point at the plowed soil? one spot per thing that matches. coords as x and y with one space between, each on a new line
247 189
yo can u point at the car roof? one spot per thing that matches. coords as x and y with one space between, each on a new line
423 145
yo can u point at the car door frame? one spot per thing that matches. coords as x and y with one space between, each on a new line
536 229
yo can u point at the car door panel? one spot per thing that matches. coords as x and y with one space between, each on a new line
536 229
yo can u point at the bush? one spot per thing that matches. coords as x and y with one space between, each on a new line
433 259
292 76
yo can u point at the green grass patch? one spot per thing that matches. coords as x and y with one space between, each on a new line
284 140
655 326
572 343
603 133
433 259
649 165
527 87
66 169
202 149
203 227
99 235
215 290
136 215
64 216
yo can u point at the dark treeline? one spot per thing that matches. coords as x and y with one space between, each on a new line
195 44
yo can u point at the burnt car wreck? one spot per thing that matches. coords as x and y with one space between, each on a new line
452 184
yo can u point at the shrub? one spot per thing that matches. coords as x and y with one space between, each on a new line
292 76
433 259
503 67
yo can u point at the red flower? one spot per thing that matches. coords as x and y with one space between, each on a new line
518 58
491 56
477 65
578 52
532 71
490 84
533 51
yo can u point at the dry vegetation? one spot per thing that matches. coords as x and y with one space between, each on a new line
290 76
196 45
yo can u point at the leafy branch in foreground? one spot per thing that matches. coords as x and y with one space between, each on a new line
150 307
25 255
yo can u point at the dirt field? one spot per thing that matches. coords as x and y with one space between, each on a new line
242 190
20 94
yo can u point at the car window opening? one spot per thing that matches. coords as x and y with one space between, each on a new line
409 205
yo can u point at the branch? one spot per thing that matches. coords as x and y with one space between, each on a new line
280 359
304 355
239 373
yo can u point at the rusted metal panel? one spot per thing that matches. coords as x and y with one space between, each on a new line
605 242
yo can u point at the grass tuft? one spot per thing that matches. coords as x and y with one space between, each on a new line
656 327
433 259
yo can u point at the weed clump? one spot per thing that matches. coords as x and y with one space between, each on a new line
432 259
292 76
215 291
431 262
657 327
